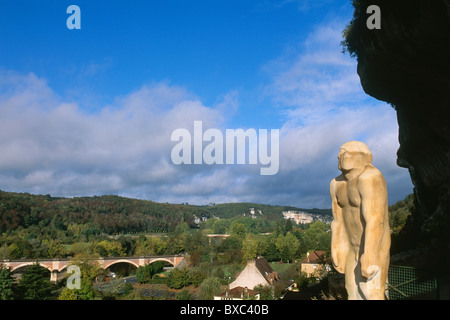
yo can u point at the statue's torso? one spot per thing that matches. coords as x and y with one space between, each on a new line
349 199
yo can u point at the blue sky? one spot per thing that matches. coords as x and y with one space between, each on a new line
90 111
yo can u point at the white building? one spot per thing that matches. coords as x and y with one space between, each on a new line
257 272
298 217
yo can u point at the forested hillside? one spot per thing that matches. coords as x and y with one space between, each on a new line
399 213
113 214
42 226
105 214
271 212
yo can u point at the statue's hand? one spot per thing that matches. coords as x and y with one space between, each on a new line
367 270
337 266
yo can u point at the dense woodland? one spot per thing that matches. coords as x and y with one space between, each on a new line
41 226
113 214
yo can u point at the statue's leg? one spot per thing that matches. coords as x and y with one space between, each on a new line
352 277
374 288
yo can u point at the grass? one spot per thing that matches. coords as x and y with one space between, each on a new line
280 267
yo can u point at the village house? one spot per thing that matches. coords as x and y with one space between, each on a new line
238 293
315 264
298 217
257 272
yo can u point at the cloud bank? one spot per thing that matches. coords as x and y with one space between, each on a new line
51 146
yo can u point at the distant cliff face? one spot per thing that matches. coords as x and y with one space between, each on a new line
407 64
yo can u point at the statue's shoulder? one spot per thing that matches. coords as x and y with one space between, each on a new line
371 177
335 182
370 172
337 179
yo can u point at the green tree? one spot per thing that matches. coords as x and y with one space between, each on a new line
38 249
249 248
262 244
208 288
86 292
106 248
150 246
128 244
317 236
35 283
111 289
269 249
184 295
283 227
266 292
287 246
175 244
6 284
55 248
179 278
238 229
75 230
4 252
220 226
197 245
68 294
197 277
399 212
181 228
79 248
90 270
15 251
145 273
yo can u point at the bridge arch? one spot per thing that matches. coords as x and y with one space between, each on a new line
57 266
27 264
64 267
107 265
162 259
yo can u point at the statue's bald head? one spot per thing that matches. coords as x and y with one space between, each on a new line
354 154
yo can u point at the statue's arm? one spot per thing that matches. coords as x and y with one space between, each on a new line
338 239
373 193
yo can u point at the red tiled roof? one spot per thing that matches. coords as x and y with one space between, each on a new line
266 270
315 257
238 293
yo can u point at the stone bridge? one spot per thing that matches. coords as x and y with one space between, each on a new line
57 266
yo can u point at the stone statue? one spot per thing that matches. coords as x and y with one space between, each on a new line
361 238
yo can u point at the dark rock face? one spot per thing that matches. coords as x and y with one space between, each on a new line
407 64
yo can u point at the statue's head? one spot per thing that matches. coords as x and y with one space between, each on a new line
353 154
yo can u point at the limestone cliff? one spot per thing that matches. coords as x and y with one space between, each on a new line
407 64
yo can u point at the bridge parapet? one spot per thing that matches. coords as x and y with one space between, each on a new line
104 262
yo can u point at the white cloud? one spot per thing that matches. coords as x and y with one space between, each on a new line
51 146
54 146
318 90
316 80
